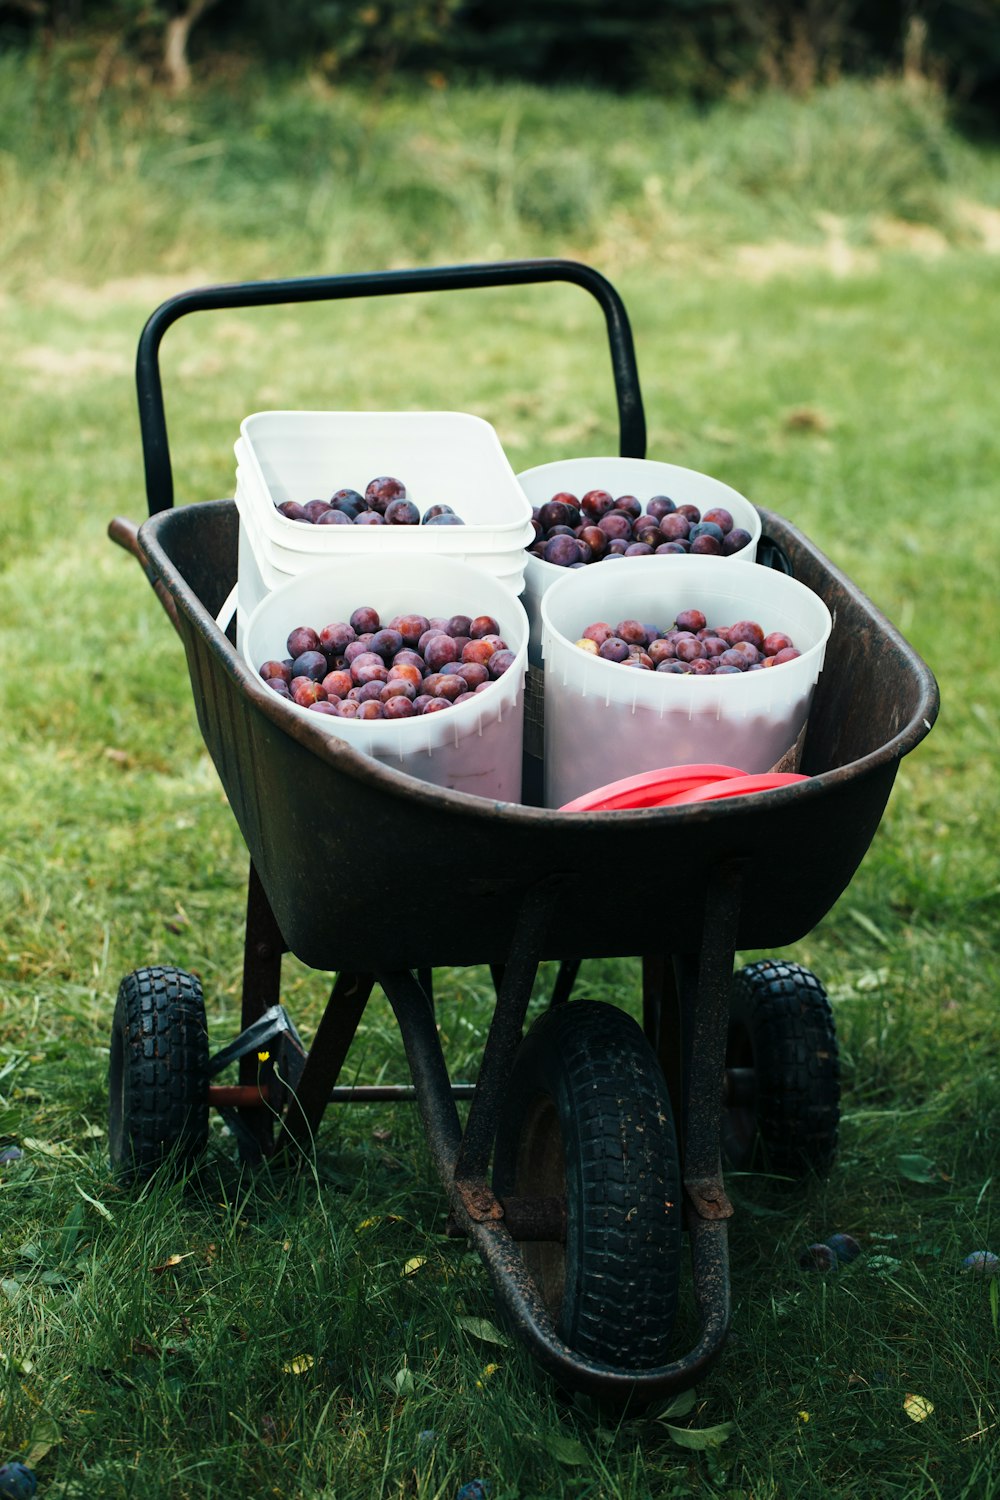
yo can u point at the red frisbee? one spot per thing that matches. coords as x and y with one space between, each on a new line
652 788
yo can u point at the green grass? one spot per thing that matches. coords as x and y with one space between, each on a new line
816 319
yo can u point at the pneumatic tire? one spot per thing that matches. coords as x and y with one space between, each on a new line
588 1119
781 1027
157 1074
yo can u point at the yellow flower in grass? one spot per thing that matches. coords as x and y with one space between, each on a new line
263 1056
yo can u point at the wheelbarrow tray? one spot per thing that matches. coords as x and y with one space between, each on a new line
363 870
341 842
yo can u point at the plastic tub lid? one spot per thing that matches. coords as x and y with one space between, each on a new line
653 788
765 781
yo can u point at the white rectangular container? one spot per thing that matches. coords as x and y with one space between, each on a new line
450 458
263 565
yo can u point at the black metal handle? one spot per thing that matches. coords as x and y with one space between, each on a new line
152 417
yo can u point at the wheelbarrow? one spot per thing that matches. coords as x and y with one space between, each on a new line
592 1145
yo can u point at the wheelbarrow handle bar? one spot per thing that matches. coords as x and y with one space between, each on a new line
152 417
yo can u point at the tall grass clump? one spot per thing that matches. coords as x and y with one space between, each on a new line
308 176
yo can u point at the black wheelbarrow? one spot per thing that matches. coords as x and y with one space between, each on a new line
592 1145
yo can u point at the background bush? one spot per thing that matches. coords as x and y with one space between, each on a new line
704 49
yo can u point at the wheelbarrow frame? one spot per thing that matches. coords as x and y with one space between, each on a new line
760 871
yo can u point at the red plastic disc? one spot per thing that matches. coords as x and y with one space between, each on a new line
651 788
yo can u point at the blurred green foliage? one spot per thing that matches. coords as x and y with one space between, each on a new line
702 49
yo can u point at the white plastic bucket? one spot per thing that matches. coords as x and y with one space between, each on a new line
641 477
474 747
604 721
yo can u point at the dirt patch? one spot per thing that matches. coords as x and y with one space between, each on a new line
806 419
147 291
984 222
72 364
918 239
782 258
836 255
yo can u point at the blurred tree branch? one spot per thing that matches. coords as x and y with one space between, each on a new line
175 43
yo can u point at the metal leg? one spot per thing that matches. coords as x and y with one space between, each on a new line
262 951
661 1017
324 1060
415 1015
505 1030
462 1161
704 1003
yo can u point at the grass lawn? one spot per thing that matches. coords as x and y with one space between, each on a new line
813 287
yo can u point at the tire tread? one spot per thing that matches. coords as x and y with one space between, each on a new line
160 1026
788 1013
622 1294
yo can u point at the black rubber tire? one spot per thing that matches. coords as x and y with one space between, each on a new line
781 1026
157 1074
587 1115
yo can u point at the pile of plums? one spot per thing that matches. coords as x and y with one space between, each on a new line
384 503
571 533
690 646
362 669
